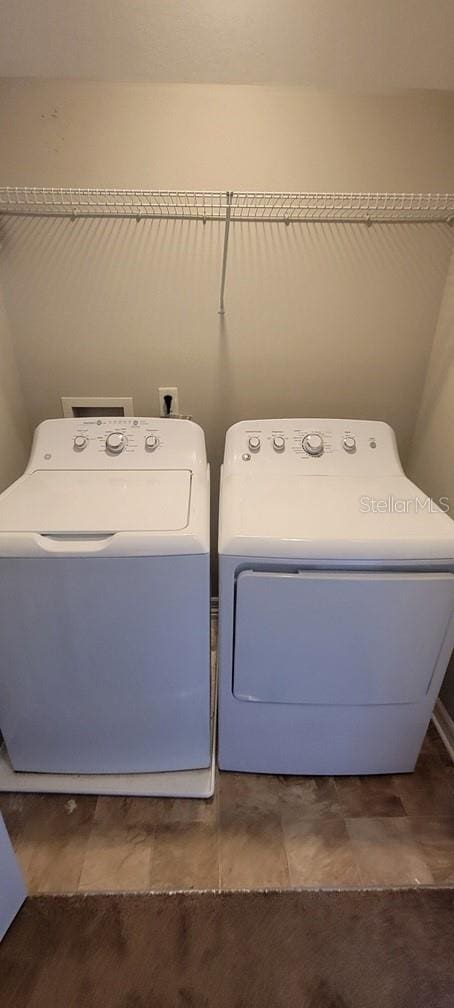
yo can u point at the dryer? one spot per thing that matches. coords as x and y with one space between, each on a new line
336 600
104 600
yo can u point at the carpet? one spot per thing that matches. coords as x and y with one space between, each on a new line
292 949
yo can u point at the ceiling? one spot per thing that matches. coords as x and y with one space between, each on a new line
365 45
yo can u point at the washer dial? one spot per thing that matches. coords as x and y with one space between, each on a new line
254 443
151 442
313 444
80 442
115 442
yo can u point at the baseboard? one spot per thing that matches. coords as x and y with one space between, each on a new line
445 726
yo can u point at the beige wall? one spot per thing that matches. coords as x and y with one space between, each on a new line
223 136
432 453
14 430
320 320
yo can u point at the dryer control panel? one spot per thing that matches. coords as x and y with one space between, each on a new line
312 446
118 443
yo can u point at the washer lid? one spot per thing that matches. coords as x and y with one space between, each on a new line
332 517
89 502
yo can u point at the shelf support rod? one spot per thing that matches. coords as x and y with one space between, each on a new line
228 212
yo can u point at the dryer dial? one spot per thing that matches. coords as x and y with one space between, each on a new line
115 442
313 444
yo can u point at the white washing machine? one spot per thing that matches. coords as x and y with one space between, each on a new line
104 600
336 600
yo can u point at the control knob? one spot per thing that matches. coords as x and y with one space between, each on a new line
254 443
349 443
115 442
313 444
278 443
151 442
80 442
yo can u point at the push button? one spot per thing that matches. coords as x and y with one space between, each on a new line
349 443
278 443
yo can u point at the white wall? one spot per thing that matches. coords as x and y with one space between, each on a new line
14 428
432 453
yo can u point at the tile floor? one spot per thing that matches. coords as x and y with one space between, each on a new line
257 832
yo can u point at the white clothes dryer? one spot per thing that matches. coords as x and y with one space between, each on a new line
336 600
104 600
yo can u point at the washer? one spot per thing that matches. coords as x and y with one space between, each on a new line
336 600
104 600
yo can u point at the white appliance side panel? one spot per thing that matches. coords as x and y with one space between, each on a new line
339 637
12 886
105 664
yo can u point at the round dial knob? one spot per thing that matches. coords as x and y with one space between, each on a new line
80 442
115 442
151 442
313 444
349 443
278 443
254 443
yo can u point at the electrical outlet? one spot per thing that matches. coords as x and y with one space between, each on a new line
168 397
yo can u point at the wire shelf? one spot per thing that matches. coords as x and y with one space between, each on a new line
229 207
236 206
342 206
140 203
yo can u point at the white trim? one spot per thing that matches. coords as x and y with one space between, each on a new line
445 726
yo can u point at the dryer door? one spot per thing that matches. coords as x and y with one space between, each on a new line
340 637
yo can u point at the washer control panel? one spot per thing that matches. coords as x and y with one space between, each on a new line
118 443
312 446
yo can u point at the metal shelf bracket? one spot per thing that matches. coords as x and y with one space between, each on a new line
225 250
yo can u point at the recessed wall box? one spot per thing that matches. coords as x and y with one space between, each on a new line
87 406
